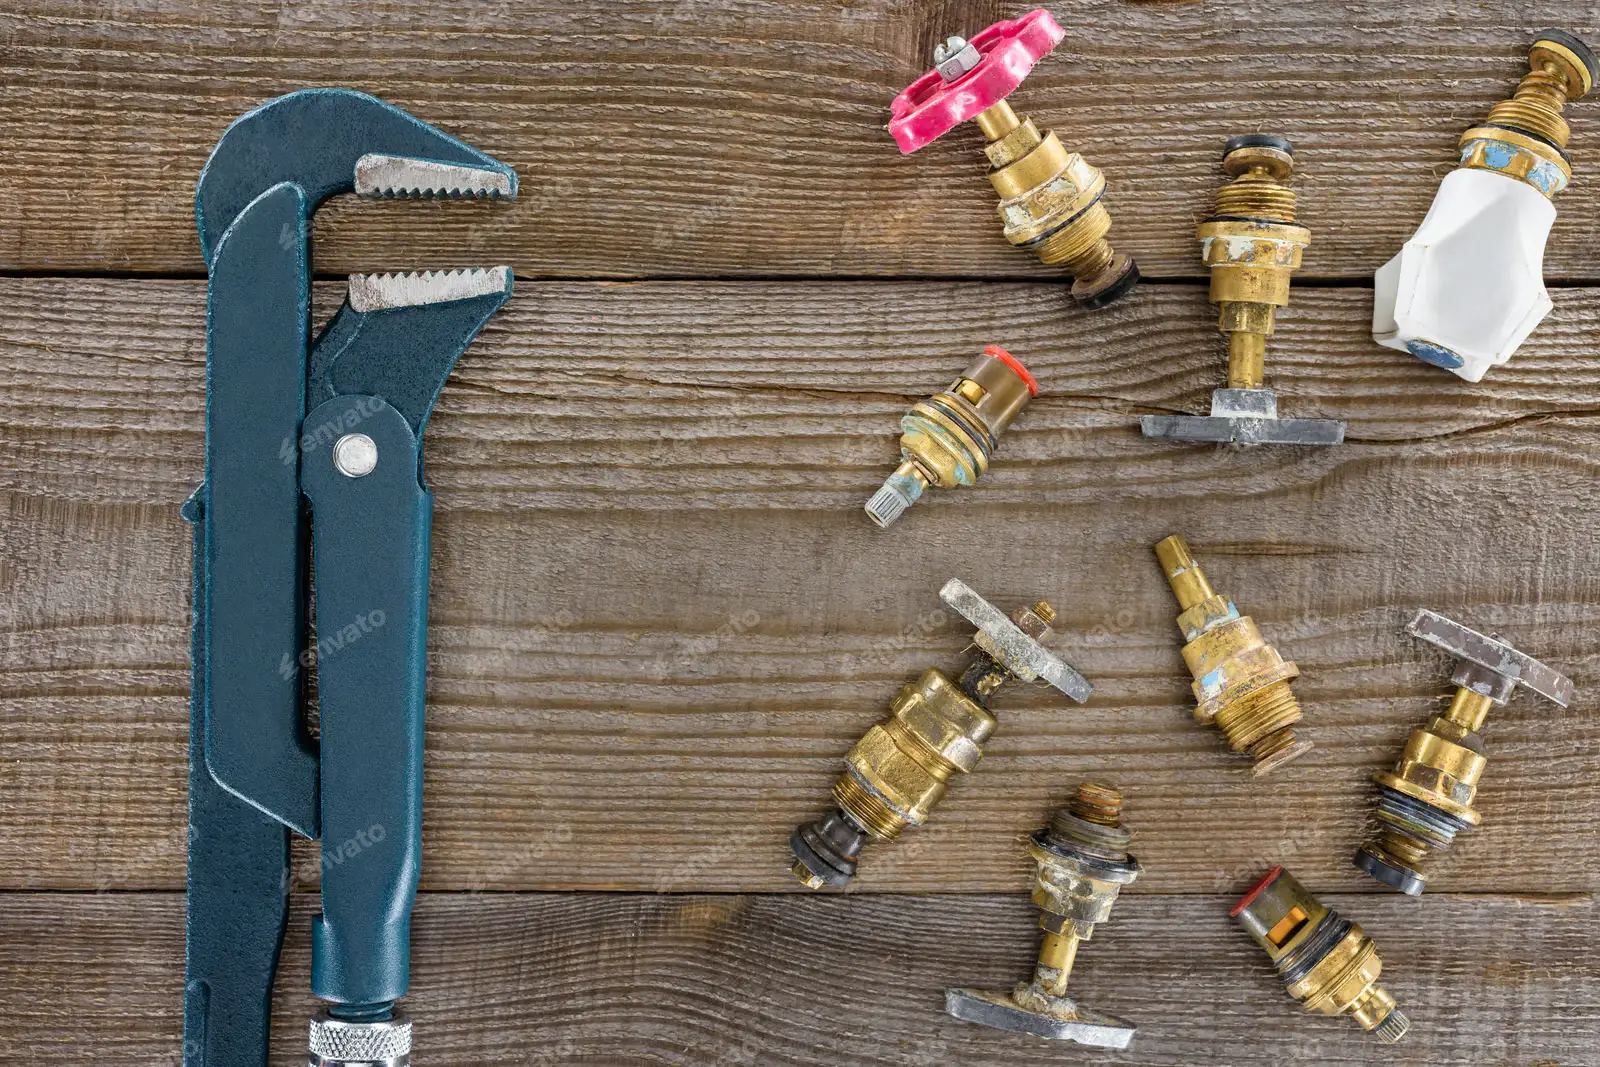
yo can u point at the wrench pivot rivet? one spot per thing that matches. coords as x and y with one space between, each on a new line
355 455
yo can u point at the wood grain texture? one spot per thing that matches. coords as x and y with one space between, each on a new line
706 138
659 618
745 980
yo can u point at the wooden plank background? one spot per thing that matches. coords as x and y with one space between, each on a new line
658 616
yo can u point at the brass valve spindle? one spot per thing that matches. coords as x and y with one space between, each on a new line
1052 203
1051 199
1081 865
1327 963
1525 136
1426 800
1241 682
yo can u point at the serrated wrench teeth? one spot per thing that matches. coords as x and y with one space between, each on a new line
379 292
387 176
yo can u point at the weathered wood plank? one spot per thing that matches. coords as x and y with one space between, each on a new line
659 618
700 138
546 979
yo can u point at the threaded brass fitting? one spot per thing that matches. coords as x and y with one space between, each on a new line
900 769
1525 137
1081 864
947 439
1252 245
1427 799
1327 963
1051 202
1241 682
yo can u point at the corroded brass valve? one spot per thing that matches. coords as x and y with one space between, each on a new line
1050 198
936 728
1327 962
947 439
1427 799
1082 863
1240 681
1252 244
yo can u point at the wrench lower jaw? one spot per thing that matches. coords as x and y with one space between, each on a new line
1060 1020
344 1043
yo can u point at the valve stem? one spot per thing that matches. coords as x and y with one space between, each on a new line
1252 244
1051 199
1427 799
1241 682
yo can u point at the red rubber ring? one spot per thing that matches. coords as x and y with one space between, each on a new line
1015 364
1260 887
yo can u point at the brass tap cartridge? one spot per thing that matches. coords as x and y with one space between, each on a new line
1327 962
1427 799
1240 681
1252 245
1050 198
1082 863
898 772
947 439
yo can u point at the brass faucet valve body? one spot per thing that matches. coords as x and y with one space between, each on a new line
1252 244
1427 799
948 439
1081 863
1051 203
1327 962
900 769
1525 137
1241 683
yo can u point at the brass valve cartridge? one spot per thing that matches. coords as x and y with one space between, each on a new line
1427 799
1240 681
1081 864
1051 199
1252 245
899 771
947 439
1327 962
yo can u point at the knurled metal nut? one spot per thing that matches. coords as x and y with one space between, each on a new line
335 1039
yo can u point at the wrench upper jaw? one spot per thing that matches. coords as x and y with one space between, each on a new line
332 141
382 176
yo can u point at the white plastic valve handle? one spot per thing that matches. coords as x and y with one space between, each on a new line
1468 288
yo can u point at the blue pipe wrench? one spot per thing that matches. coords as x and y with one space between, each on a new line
314 480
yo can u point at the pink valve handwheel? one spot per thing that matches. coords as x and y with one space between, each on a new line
929 107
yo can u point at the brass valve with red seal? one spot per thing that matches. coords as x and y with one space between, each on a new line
1051 199
947 439
1328 963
